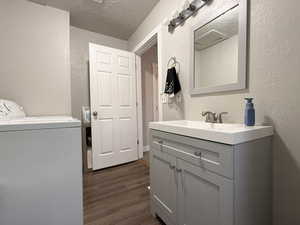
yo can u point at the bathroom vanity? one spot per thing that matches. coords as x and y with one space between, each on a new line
210 174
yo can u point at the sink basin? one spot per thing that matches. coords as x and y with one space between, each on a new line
227 133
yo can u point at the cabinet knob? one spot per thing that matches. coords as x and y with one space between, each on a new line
198 154
172 167
178 170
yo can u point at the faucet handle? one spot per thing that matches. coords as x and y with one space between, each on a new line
220 116
205 113
210 116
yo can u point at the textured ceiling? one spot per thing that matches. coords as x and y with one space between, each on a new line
117 18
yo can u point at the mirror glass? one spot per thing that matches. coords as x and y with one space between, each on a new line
216 49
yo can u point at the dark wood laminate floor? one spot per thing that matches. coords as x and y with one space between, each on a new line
118 196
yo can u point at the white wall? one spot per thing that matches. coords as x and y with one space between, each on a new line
34 57
80 40
147 60
274 80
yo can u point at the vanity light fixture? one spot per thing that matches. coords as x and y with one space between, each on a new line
186 13
191 8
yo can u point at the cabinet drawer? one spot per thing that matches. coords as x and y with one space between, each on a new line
208 155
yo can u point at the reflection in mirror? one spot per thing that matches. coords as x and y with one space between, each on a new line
216 51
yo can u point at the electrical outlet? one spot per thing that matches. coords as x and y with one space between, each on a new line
164 99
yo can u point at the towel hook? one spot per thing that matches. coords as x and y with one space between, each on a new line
174 62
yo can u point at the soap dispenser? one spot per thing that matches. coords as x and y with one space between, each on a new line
249 113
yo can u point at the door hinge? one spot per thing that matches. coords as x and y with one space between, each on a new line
138 141
137 104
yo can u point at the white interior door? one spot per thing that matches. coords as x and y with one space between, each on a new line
113 106
155 92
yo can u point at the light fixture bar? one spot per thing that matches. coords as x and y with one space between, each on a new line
187 13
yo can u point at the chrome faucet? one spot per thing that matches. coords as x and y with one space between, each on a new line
211 117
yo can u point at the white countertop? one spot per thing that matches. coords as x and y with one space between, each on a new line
223 133
34 123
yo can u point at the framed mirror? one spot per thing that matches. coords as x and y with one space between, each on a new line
219 52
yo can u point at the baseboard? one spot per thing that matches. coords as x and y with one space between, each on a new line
146 148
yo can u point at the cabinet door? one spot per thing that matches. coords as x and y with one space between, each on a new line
163 184
204 198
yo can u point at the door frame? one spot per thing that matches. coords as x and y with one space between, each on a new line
155 90
153 38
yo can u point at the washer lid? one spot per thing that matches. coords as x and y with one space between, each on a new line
36 123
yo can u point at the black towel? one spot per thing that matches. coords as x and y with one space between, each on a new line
172 83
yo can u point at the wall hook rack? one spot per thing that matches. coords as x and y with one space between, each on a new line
187 13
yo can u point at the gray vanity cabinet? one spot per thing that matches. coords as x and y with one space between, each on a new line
203 196
198 182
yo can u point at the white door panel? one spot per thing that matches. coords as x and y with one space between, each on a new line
113 98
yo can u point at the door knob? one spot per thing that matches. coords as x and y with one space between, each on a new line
198 154
95 113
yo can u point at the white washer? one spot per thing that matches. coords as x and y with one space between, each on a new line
40 171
